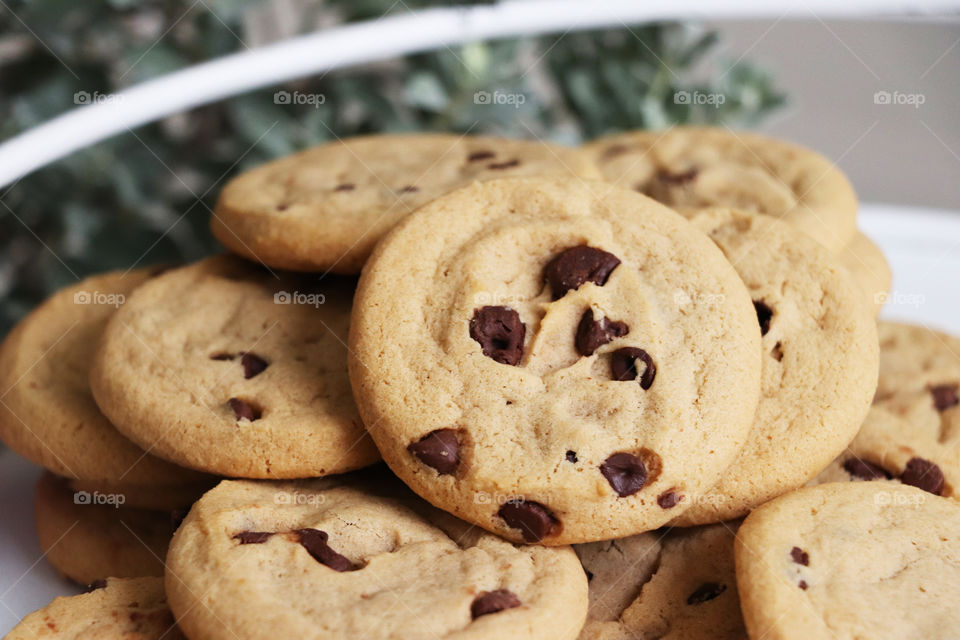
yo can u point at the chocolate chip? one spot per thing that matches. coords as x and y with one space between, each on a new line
509 164
764 314
252 537
589 574
493 602
571 456
802 584
623 366
592 334
944 396
222 356
865 470
534 520
800 556
923 474
315 542
244 410
668 500
96 585
439 449
614 150
252 364
677 178
578 265
409 189
706 592
346 186
480 155
176 518
625 472
500 333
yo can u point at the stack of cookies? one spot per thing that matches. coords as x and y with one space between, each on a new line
660 348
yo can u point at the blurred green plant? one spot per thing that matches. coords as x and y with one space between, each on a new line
144 197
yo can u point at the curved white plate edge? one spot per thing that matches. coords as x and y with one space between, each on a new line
27 582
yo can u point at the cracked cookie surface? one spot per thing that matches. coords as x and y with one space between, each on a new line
554 361
334 559
326 207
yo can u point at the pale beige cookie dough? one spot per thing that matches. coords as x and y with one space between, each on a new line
869 267
915 357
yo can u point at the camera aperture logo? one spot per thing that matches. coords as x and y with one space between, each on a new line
298 297
899 98
287 498
714 100
99 297
499 98
86 97
299 97
86 498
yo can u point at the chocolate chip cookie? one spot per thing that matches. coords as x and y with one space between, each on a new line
224 367
47 413
819 361
670 585
915 358
693 167
325 208
118 609
555 361
328 559
851 560
869 267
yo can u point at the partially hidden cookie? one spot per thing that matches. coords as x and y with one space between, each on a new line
224 367
851 560
689 168
119 609
322 559
47 413
326 207
671 585
155 498
915 357
92 536
819 361
869 267
554 361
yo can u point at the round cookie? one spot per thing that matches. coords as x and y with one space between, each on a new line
689 168
869 268
851 560
324 559
554 361
914 358
674 585
222 367
47 413
819 361
325 208
121 609
89 537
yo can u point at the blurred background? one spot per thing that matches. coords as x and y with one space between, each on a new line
879 97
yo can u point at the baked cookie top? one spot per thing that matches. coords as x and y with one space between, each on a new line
851 560
915 358
224 367
121 609
693 167
47 413
324 559
819 361
555 361
869 268
326 207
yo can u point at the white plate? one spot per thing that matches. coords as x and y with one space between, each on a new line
922 245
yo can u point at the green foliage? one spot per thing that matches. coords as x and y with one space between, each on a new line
145 197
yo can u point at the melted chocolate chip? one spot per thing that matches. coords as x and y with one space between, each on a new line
244 410
534 520
578 265
625 472
592 334
500 333
315 542
668 500
803 584
96 585
571 456
677 178
252 364
480 155
252 537
439 449
509 164
800 556
493 602
865 470
706 592
944 396
764 315
222 356
623 366
346 186
923 474
409 189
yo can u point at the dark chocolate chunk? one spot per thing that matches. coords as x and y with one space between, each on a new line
252 537
623 366
944 396
764 315
800 556
315 542
439 449
534 520
706 592
571 456
923 474
500 333
625 472
865 470
592 334
252 364
493 602
244 410
577 265
668 499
